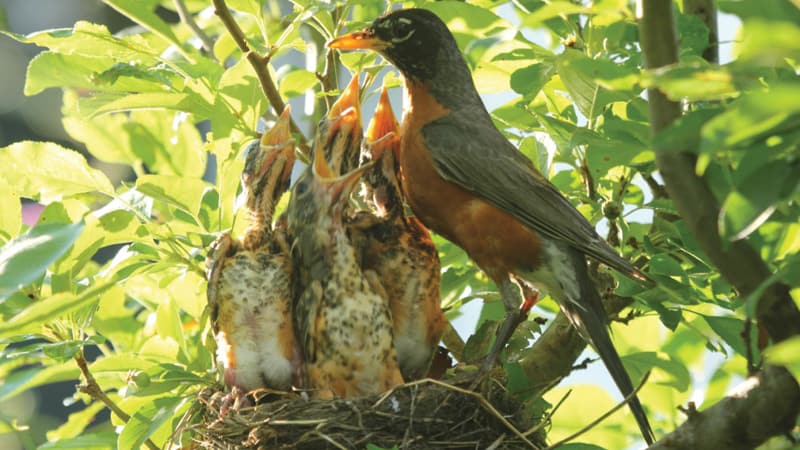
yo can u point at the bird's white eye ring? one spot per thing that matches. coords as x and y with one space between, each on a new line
397 40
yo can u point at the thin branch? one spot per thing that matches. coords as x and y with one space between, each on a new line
737 261
605 416
762 406
658 190
259 63
93 389
186 18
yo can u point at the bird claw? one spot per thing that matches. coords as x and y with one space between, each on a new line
235 400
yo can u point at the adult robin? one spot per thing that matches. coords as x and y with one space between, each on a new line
399 250
342 320
464 180
249 289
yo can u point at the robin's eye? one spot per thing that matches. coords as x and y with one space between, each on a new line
402 30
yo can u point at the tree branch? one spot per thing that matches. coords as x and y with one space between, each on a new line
737 261
93 389
763 406
259 63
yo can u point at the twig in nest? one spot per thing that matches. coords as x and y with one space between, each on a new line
603 417
487 406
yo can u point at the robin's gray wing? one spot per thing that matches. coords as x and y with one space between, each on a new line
474 155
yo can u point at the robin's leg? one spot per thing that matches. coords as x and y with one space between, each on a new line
512 300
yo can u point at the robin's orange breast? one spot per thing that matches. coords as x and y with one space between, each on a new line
497 242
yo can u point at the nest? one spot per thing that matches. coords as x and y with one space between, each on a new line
425 414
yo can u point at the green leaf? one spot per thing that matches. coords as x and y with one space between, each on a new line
694 34
554 9
168 322
143 13
10 211
185 193
49 172
467 21
94 41
27 379
684 134
775 10
580 446
479 344
297 82
578 73
252 7
178 101
730 330
755 199
694 81
147 420
49 309
242 93
775 41
27 257
639 363
56 70
664 264
106 440
751 116
528 81
167 142
786 353
65 435
120 363
104 137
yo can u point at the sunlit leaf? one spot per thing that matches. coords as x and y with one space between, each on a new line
296 83
185 193
26 258
49 172
147 420
50 308
143 12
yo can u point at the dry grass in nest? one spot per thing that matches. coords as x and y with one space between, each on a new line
425 414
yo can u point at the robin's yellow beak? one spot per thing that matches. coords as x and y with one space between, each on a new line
348 99
365 39
280 133
382 129
276 143
337 186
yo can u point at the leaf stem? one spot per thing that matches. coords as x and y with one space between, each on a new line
186 18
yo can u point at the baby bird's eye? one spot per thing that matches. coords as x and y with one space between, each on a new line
301 186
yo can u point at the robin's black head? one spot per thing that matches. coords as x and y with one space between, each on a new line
416 41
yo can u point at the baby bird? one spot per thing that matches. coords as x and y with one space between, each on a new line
399 250
344 325
249 281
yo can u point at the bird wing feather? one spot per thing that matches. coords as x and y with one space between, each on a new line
488 165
